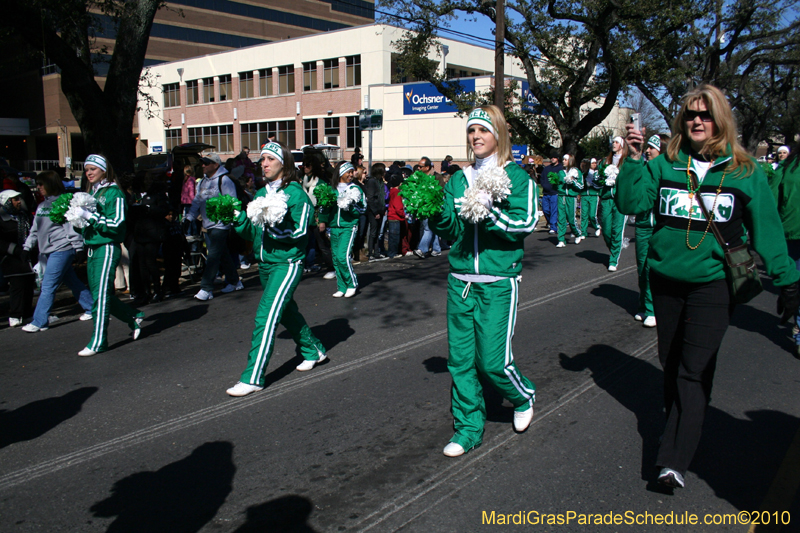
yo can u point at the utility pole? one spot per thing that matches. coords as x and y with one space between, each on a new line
499 54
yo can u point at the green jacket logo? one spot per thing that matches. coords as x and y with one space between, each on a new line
676 203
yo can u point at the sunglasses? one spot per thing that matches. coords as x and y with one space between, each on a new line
705 116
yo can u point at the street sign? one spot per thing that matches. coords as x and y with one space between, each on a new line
370 119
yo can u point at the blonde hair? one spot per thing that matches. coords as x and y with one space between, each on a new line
503 140
570 161
623 153
727 133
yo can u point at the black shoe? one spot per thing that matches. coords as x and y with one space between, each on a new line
157 297
141 300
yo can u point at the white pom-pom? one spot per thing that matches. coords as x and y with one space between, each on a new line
611 181
494 181
572 175
472 209
79 202
348 198
74 216
611 171
268 210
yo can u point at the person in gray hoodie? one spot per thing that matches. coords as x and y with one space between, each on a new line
59 246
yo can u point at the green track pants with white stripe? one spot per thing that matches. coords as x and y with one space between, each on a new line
642 247
566 214
277 306
101 268
480 326
613 223
341 244
589 205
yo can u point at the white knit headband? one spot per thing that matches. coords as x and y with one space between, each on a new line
97 160
273 149
345 168
481 118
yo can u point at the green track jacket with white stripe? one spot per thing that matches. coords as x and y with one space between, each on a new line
570 189
107 224
335 217
493 246
286 241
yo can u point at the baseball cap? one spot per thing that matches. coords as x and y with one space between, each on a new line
211 158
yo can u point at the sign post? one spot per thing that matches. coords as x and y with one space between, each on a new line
370 120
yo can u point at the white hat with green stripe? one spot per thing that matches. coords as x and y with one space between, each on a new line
481 118
655 142
274 149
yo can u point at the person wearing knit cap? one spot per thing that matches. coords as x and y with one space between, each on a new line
570 185
590 200
612 221
15 226
483 285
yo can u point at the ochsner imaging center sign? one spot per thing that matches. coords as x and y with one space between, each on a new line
424 98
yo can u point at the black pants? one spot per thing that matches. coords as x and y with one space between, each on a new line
147 255
20 291
373 229
173 255
691 320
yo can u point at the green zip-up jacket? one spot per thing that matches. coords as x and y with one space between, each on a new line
335 217
107 224
789 198
744 204
285 242
569 189
493 246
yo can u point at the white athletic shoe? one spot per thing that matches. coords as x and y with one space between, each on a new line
638 317
649 322
597 233
14 322
453 450
338 294
578 239
136 332
552 232
329 275
204 295
561 244
671 478
522 419
52 319
350 293
243 389
86 352
85 316
230 288
308 365
30 328
612 268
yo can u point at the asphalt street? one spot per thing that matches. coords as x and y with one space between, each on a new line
143 438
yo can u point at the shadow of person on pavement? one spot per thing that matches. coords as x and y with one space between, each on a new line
593 257
627 299
182 496
436 364
332 333
157 323
287 514
749 318
37 418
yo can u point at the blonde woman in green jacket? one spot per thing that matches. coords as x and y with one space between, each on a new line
280 251
691 298
483 285
570 185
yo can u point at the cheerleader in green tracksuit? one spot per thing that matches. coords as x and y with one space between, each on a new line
589 200
342 219
483 285
104 232
280 251
570 184
612 221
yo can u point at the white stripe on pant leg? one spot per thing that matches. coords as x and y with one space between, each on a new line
621 237
596 208
272 321
347 257
509 369
102 299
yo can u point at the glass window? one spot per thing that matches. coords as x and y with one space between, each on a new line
353 71
353 133
219 136
311 133
286 79
224 87
208 90
265 83
172 95
173 138
331 73
192 93
332 126
257 133
246 88
310 76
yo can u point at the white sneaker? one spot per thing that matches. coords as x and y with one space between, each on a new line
649 322
139 320
597 233
552 232
329 275
85 316
561 244
571 235
409 253
308 365
136 332
243 389
52 319
338 294
671 478
522 419
350 293
578 240
86 352
204 295
30 328
230 288
14 322
244 266
612 268
453 449
638 317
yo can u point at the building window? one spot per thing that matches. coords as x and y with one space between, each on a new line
219 136
257 133
246 87
353 71
265 83
286 79
331 73
353 133
224 87
310 76
173 138
192 93
311 133
208 90
332 130
172 95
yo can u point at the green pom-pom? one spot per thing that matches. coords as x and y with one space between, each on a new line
553 178
325 195
422 195
600 177
768 170
59 208
220 208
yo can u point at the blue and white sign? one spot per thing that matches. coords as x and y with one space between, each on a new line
424 98
519 151
529 102
157 148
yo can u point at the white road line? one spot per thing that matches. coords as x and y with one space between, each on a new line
465 467
207 414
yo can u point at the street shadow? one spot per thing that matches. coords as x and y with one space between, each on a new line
749 318
593 257
182 496
33 420
365 279
436 364
287 514
334 332
627 299
159 322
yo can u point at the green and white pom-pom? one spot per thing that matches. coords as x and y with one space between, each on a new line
572 175
59 208
79 202
422 195
221 208
768 170
553 178
268 210
494 181
611 172
348 198
472 209
325 195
